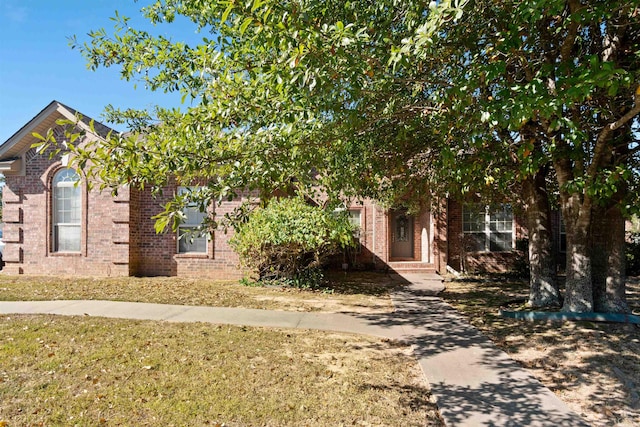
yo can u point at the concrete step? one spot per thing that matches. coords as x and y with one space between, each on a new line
412 267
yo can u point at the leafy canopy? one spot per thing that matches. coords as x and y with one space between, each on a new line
393 99
280 92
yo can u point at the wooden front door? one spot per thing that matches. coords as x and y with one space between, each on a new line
402 235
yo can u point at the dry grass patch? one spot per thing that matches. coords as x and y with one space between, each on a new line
95 371
593 367
364 293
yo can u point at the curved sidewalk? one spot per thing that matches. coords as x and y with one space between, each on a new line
474 382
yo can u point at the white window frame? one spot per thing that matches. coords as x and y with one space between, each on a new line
357 234
66 181
483 223
355 218
357 221
199 242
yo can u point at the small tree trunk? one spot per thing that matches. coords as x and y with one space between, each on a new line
543 287
608 244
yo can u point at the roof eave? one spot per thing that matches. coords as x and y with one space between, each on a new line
11 167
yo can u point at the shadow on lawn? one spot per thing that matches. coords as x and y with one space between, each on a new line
594 365
499 393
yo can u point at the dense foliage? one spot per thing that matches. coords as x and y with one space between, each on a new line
398 100
289 240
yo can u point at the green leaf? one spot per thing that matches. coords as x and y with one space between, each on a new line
226 13
38 136
245 24
256 5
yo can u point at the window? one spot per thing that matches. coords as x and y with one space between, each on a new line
66 212
354 219
488 230
190 238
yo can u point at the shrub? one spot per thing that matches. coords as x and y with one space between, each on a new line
288 241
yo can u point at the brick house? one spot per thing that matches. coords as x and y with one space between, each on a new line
55 227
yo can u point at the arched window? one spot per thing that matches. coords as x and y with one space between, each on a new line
66 212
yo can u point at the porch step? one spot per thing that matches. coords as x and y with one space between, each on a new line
412 267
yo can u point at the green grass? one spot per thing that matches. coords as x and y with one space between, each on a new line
95 371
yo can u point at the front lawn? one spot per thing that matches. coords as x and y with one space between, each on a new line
96 371
364 292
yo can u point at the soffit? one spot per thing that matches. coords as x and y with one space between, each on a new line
23 139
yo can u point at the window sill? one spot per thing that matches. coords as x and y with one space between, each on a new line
65 254
192 255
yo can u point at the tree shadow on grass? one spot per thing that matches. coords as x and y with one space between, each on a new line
594 366
474 381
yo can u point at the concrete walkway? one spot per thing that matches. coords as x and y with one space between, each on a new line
474 383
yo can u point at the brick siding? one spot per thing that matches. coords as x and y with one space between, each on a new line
27 208
119 238
118 234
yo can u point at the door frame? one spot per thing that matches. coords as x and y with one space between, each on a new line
414 238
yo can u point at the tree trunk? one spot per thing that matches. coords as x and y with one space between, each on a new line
578 296
608 244
543 287
576 213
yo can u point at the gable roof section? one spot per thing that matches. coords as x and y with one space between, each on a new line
20 142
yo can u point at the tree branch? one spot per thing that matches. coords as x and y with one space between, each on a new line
606 132
572 32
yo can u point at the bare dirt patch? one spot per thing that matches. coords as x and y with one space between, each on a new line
593 367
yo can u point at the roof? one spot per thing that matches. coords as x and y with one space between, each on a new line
23 139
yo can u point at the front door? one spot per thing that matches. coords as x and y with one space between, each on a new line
401 235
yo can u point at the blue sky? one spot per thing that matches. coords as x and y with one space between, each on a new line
37 65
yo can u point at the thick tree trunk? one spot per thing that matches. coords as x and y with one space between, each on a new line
543 287
576 213
608 243
579 291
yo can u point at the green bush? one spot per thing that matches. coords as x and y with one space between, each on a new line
288 241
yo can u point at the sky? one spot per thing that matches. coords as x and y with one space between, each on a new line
37 65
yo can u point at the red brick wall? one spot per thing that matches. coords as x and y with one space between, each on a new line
157 254
27 207
118 234
376 236
119 237
134 232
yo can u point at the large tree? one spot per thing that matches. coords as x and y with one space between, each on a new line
560 80
397 99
